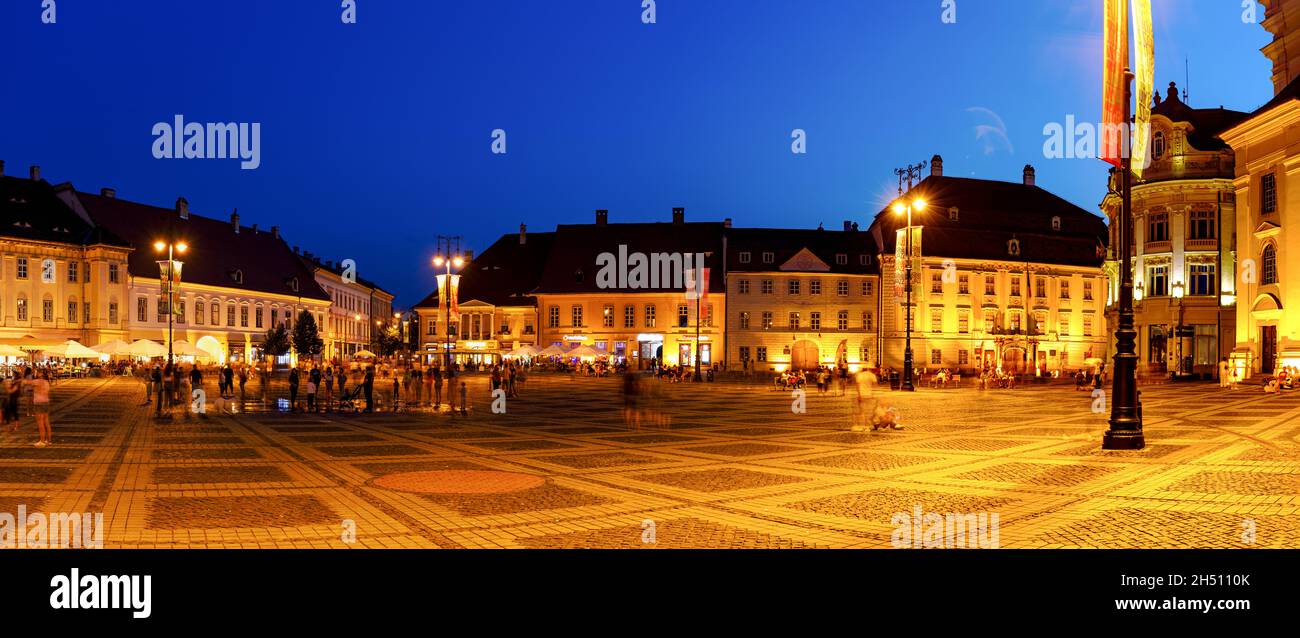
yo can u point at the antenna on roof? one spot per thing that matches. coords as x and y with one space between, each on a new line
1187 77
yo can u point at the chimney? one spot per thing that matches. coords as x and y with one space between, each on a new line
108 192
726 223
234 220
36 172
523 234
2 168
1029 175
936 166
275 232
848 225
254 229
469 256
602 217
296 251
182 208
679 215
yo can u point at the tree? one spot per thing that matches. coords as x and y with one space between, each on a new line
306 339
276 341
389 341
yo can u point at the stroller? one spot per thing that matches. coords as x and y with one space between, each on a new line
349 399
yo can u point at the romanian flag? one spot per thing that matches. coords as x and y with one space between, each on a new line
1115 59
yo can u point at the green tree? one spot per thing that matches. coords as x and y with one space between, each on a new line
306 338
276 341
389 341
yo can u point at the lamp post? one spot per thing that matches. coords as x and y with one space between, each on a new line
905 208
445 291
169 273
1125 431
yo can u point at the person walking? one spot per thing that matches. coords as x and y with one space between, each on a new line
464 399
146 377
243 380
437 388
196 381
41 407
294 378
329 388
369 387
311 392
228 375
14 392
1225 373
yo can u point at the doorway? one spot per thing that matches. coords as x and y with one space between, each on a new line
1267 349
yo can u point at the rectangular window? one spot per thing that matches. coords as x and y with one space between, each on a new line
1065 289
629 316
161 310
963 357
990 320
990 285
744 321
649 316
72 312
766 287
842 320
1015 321
112 313
842 288
216 313
794 321
744 257
257 317
1202 225
1040 287
1158 227
963 321
1201 277
683 316
230 315
1157 281
760 353
936 320
47 310
792 287
743 286
815 321
72 272
113 274
866 289
744 353
22 267
553 317
1015 286
1063 324
867 321
1268 193
936 283
1087 291
815 287
767 320
936 356
575 316
1087 326
963 285
243 316
607 316
22 309
841 259
142 309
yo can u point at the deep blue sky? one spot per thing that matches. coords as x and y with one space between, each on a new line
376 136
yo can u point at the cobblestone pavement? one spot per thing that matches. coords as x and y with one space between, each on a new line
727 465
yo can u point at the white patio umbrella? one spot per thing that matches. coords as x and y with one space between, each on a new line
583 352
71 350
551 351
113 348
147 348
10 351
363 354
184 348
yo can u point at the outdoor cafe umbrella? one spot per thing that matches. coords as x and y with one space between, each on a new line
363 354
113 348
184 348
71 350
147 348
10 351
583 352
551 351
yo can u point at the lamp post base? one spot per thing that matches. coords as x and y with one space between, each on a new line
1123 440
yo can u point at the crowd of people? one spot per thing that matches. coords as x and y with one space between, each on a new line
27 391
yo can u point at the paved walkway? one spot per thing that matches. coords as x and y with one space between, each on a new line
734 468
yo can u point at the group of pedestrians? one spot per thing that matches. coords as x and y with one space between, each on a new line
32 387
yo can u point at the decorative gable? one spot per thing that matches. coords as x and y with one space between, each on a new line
805 261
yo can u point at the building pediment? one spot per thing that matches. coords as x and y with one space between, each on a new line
805 261
1267 229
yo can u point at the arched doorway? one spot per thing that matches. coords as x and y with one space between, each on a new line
210 346
1013 360
803 355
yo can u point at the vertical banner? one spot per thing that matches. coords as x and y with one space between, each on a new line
1143 42
450 297
1114 60
900 261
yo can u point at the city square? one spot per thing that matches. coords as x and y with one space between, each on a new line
733 467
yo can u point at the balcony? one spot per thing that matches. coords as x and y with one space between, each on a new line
1157 247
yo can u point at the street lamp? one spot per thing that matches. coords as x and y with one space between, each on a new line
169 274
905 208
445 293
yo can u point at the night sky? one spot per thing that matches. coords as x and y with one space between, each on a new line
376 136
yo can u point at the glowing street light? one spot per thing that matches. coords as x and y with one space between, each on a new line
900 208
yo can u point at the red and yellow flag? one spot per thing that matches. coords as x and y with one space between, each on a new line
1114 61
1145 59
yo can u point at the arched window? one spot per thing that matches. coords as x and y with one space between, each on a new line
1268 265
1158 146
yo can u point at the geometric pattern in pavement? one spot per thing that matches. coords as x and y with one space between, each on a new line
729 465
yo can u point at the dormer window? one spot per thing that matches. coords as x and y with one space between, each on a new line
769 258
952 214
744 257
293 283
237 276
1056 223
1013 247
579 276
841 259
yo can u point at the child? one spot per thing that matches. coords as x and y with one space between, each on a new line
311 393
